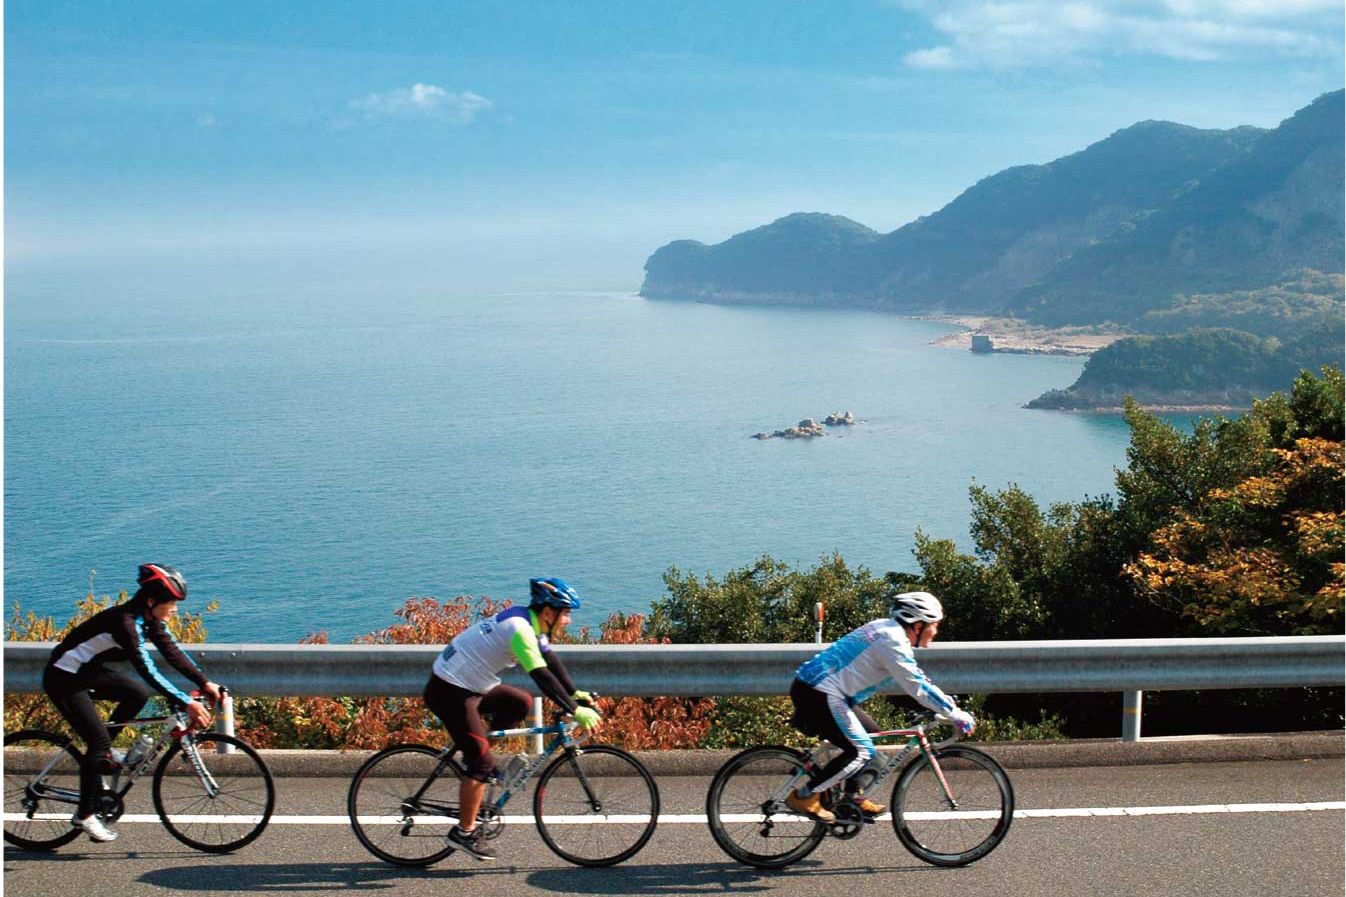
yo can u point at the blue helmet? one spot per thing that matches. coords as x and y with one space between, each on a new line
552 593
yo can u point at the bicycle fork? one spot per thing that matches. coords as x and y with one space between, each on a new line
199 767
594 803
939 773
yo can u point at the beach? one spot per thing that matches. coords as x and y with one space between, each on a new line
1014 336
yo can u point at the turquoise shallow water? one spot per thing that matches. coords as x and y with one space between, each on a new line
312 463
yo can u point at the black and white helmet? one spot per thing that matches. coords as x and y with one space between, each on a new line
913 607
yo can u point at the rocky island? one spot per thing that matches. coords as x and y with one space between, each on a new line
808 428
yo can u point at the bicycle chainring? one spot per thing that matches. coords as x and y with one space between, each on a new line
490 823
110 806
850 820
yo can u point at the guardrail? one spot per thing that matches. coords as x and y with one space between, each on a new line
1130 666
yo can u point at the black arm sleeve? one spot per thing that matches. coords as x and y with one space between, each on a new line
551 688
128 635
558 670
169 650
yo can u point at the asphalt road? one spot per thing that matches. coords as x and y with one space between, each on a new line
1188 849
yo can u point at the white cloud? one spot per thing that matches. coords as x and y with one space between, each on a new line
1027 33
206 120
423 101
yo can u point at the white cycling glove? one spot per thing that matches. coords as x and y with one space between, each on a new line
963 720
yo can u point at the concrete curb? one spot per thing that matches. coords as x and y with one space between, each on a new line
1013 755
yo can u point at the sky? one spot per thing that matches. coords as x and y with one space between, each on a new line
556 144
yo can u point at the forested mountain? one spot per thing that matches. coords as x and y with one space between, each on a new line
1001 234
1114 232
1244 226
1158 228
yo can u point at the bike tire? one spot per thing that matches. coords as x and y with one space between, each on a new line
377 805
25 753
742 820
241 807
573 811
944 836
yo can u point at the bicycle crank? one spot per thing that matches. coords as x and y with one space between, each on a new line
850 820
490 823
110 806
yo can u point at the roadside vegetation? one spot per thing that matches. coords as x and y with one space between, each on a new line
1234 529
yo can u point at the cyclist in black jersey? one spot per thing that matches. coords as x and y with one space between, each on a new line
75 677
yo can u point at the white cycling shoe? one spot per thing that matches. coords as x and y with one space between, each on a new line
94 828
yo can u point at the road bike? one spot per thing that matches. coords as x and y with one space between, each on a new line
594 805
211 791
952 804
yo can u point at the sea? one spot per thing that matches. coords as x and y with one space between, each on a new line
311 461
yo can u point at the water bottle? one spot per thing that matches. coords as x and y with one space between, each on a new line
137 750
514 770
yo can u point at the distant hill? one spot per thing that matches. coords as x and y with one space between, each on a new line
1244 226
1160 229
806 259
1126 227
1200 367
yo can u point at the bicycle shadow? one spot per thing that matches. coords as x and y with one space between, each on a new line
690 878
284 877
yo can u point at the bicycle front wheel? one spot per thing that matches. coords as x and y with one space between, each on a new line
957 831
211 801
41 789
403 802
596 805
746 809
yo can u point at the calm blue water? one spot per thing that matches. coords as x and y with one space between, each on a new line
310 463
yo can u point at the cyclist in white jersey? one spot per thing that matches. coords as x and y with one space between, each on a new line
869 659
466 684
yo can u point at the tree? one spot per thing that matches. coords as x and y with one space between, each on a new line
768 601
1262 557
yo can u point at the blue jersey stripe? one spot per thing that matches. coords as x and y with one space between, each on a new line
154 670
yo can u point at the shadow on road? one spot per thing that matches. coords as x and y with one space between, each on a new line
676 878
689 878
283 877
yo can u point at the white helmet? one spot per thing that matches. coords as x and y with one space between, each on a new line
911 607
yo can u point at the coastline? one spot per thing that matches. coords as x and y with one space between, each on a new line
1015 337
1118 410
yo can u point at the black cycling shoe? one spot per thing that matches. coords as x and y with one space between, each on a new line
471 843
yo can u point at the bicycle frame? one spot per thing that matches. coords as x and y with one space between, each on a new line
562 741
179 731
917 740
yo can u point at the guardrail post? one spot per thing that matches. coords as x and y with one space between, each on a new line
224 722
1131 706
537 721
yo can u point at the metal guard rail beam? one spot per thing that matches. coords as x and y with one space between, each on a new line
1009 667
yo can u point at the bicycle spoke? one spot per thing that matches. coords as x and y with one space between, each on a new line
39 823
232 816
384 816
596 807
744 818
944 834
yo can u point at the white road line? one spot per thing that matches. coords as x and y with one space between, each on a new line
700 819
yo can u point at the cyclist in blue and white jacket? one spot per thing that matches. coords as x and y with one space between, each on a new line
869 659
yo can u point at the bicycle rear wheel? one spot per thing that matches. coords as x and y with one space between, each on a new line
210 801
945 834
403 802
596 805
745 818
38 811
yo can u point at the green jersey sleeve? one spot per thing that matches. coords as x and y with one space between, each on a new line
526 649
